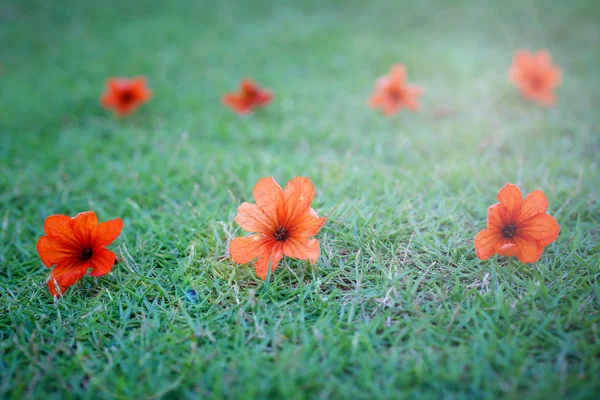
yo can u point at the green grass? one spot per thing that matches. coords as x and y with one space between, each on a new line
398 305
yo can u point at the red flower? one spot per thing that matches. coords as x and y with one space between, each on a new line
250 96
285 223
393 93
125 95
535 76
517 227
74 245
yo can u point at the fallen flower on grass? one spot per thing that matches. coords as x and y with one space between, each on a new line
285 225
535 76
517 227
392 93
125 95
249 97
74 245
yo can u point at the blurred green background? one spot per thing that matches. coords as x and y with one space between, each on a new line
398 305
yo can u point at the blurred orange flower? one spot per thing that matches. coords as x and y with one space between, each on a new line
393 93
74 245
250 96
517 227
535 76
125 95
284 222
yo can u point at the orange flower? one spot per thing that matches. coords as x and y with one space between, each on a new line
250 96
125 95
393 93
517 227
535 76
284 222
74 245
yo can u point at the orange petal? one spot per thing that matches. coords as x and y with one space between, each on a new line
542 228
84 225
55 250
262 264
497 217
55 289
486 242
268 196
510 196
53 225
506 249
543 58
302 249
375 100
307 225
242 250
252 218
107 232
535 203
68 274
528 251
264 98
102 262
297 196
398 73
390 107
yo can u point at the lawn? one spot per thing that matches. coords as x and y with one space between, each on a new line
398 305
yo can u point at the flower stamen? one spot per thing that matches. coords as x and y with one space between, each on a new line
86 254
509 231
281 234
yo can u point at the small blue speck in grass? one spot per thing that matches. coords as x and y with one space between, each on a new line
191 296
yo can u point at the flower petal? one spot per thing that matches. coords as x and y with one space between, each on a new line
535 203
84 225
66 275
398 73
510 196
55 250
376 100
54 224
542 228
268 194
497 217
242 250
102 262
252 218
140 89
506 248
107 232
486 242
543 58
297 196
307 225
528 251
273 256
302 249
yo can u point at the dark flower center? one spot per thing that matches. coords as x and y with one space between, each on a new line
536 81
281 234
127 96
86 254
396 95
509 231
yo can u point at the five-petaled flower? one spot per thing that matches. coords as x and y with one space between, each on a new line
74 245
125 95
393 93
285 224
535 76
250 96
517 227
